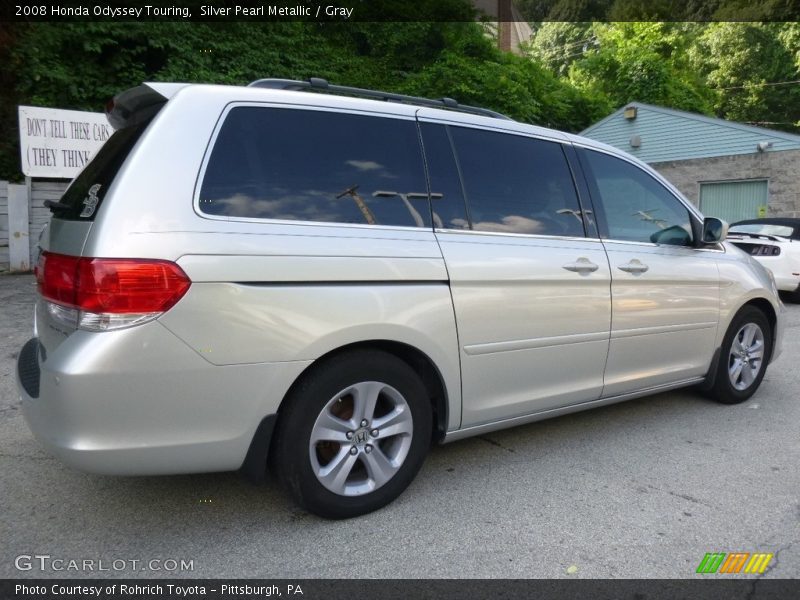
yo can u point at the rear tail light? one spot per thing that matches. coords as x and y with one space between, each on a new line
99 294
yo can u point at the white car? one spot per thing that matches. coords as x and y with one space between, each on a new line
775 243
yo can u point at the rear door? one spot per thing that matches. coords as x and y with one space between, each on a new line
530 288
665 291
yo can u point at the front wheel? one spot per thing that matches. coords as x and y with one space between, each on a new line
353 434
743 357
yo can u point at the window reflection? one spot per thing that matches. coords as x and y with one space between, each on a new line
316 166
516 184
636 206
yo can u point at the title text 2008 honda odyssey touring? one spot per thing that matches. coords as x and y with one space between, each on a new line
330 283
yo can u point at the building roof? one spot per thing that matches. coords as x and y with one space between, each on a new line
666 134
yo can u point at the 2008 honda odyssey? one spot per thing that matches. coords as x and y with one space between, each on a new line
329 283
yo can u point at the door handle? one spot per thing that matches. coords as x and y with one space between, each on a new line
635 266
583 266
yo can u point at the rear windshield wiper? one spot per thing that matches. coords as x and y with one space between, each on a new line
55 205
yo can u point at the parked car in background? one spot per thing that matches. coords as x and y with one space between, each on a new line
775 243
330 283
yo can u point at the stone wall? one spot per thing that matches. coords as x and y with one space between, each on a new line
781 169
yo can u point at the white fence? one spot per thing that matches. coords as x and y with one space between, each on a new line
3 225
22 217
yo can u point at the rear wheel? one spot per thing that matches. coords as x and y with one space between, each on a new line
353 434
743 358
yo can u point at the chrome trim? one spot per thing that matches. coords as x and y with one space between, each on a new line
538 236
559 340
493 124
301 223
467 432
627 333
718 248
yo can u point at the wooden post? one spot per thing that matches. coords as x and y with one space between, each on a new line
19 252
504 19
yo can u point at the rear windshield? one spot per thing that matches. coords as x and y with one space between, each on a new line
763 229
85 194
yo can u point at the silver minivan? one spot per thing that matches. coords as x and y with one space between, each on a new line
327 280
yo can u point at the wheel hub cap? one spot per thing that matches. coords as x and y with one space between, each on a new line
361 438
746 356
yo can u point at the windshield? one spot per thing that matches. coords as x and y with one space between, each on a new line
763 229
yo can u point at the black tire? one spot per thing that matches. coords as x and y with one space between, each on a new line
724 389
291 455
791 297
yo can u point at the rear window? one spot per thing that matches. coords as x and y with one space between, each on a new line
85 194
305 165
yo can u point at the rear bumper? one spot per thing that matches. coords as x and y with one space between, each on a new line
141 402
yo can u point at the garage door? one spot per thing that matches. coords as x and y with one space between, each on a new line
734 200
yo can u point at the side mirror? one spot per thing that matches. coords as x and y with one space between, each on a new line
714 230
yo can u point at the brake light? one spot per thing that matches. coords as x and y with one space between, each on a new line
109 293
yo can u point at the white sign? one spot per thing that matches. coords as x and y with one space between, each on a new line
58 143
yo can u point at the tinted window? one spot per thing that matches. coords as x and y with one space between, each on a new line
273 163
86 192
517 184
636 207
447 198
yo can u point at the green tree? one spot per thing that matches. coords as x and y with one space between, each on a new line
646 62
751 67
82 65
557 44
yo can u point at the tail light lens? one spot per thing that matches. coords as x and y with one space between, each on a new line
99 294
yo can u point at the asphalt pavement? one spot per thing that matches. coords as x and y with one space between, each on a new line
642 489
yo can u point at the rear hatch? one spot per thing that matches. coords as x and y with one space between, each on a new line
73 215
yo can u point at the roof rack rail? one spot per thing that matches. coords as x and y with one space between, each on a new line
321 85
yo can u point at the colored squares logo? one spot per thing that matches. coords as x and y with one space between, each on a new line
734 562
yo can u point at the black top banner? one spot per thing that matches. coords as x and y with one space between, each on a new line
398 10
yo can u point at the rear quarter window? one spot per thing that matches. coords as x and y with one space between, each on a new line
82 199
306 165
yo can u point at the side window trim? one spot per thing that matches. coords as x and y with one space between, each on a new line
594 194
457 162
494 127
428 179
587 207
296 107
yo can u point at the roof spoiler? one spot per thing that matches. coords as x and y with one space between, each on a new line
140 103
